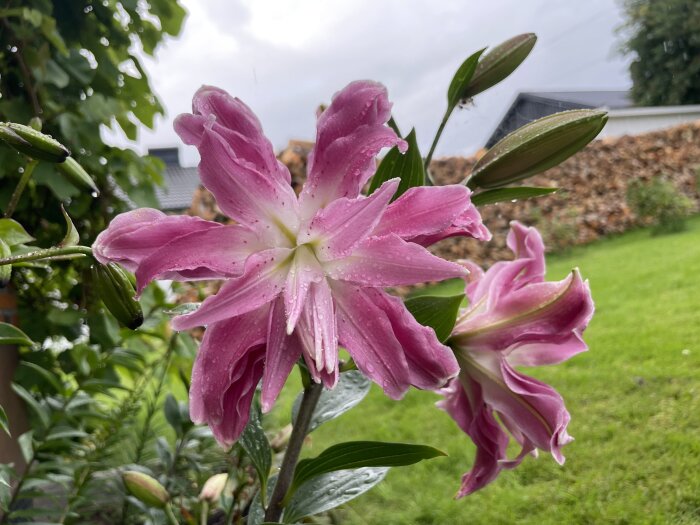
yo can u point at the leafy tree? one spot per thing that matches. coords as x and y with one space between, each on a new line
74 66
664 39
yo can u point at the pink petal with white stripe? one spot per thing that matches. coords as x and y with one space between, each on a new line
262 280
390 261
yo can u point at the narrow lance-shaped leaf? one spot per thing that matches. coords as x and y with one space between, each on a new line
11 335
48 375
499 63
331 490
4 422
352 387
437 312
358 454
71 238
536 147
255 443
461 79
509 194
406 166
5 269
41 412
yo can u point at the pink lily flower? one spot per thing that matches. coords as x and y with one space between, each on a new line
514 318
302 274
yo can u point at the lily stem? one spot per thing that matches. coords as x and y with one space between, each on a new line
28 170
291 456
46 254
428 178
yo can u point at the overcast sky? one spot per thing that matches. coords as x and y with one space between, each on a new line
284 57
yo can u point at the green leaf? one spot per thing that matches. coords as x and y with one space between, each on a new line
460 81
13 233
358 454
5 490
255 444
509 194
4 422
406 166
11 335
41 411
173 414
437 312
331 490
26 445
352 387
72 238
49 376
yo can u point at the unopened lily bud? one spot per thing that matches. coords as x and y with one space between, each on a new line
76 175
33 143
213 487
117 293
5 269
145 489
500 62
536 147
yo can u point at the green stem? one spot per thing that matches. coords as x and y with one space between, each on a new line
47 254
28 170
428 178
171 517
291 456
204 513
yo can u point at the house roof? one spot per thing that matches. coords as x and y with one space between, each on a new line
532 105
180 183
584 99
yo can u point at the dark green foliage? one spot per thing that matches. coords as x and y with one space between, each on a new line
664 40
659 201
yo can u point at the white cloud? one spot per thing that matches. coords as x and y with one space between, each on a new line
284 57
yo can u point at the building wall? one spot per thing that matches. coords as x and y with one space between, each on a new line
636 122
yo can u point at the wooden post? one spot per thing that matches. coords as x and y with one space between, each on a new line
13 405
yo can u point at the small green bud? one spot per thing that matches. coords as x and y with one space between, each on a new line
5 269
500 62
536 147
146 489
76 175
35 123
117 293
33 143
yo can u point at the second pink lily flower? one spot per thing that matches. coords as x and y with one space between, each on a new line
303 274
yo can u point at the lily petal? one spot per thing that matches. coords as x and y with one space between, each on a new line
339 227
221 251
318 333
431 365
477 421
255 199
391 261
367 333
237 123
133 236
262 280
282 353
351 132
427 214
225 373
303 271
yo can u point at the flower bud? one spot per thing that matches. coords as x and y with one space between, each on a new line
76 175
536 147
117 293
33 143
500 62
213 487
35 123
145 489
5 269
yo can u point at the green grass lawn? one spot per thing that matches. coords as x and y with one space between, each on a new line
634 399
